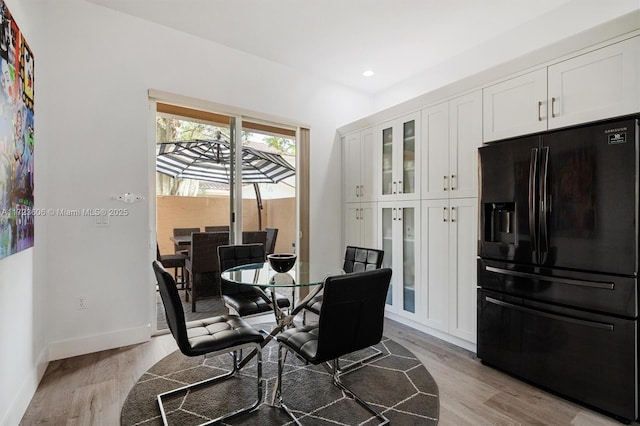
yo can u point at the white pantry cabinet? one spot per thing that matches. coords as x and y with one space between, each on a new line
359 164
451 135
399 231
398 146
448 265
600 84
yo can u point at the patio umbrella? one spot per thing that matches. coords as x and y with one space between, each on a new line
209 160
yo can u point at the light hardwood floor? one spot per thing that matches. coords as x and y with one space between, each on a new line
91 389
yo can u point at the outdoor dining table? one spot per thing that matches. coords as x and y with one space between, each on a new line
263 277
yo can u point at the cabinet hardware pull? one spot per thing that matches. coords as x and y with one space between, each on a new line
400 186
453 187
357 190
362 190
453 216
444 182
394 214
357 214
395 188
444 214
553 107
539 108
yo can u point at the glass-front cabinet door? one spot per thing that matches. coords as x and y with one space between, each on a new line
398 145
399 225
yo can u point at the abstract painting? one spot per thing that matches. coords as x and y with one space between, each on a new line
16 137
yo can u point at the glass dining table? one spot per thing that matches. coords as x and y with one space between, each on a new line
304 277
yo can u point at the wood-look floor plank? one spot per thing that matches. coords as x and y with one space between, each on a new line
91 389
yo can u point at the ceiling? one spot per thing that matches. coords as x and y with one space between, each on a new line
339 39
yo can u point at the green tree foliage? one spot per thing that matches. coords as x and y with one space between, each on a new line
283 145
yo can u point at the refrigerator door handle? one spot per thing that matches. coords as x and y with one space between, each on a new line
544 205
533 175
561 280
592 324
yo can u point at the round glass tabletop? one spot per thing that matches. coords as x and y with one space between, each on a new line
302 274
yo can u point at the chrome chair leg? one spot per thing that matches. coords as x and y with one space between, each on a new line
217 379
276 399
335 378
356 364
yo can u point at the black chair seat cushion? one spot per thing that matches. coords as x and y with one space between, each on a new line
251 302
217 333
303 340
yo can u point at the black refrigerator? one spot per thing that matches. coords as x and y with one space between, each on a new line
558 262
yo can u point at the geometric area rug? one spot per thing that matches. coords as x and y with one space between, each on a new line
395 383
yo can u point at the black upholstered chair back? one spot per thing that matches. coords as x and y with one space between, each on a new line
358 259
238 255
172 306
352 313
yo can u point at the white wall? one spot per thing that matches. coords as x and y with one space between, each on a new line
94 67
95 94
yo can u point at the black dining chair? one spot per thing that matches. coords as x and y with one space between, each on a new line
356 259
210 336
203 272
351 318
245 299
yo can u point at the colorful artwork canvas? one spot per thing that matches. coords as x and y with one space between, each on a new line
16 137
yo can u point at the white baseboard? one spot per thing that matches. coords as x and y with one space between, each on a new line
25 391
433 332
99 342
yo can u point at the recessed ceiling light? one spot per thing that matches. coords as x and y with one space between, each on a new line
367 73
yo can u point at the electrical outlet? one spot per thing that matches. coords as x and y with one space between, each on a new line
81 302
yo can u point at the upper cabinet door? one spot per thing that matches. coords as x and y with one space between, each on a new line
398 143
359 164
451 135
601 84
352 164
465 137
516 107
435 151
367 190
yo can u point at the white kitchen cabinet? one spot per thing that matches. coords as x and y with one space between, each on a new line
451 135
359 163
361 225
516 107
399 229
600 84
398 147
448 265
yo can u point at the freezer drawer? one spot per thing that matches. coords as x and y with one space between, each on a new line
588 357
608 294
